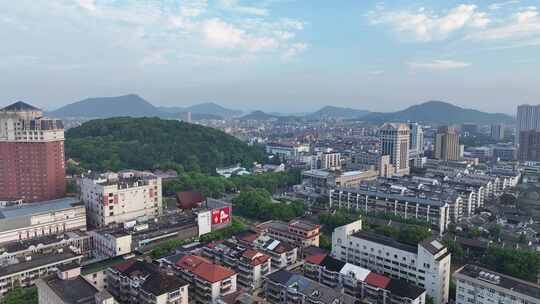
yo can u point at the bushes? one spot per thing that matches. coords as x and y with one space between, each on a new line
257 204
521 264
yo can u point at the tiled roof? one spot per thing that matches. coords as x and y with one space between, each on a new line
377 280
20 106
204 269
316 258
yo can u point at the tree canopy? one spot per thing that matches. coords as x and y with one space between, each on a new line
521 264
146 143
256 203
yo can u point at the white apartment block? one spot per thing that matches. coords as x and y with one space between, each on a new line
427 265
395 139
482 286
435 212
121 197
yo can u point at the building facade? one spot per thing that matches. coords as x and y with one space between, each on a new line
44 219
475 284
529 145
427 265
394 138
447 144
121 197
31 155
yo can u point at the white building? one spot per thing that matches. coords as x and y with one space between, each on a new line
286 150
46 218
121 197
326 160
426 265
482 286
394 139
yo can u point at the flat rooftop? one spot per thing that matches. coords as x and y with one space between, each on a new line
39 207
76 290
38 261
507 282
384 240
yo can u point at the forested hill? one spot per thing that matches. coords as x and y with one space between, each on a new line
146 143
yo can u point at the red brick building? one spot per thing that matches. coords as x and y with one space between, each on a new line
32 164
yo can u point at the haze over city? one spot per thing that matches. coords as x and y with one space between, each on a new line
272 55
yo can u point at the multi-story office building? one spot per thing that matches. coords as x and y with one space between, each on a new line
286 150
426 265
529 145
31 155
447 144
300 233
497 131
360 282
121 197
320 181
394 139
46 218
475 284
416 141
27 270
283 287
137 282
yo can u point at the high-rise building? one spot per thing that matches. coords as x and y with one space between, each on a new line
32 165
497 131
529 145
416 142
447 144
528 117
394 139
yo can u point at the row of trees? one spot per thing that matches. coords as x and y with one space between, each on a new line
257 203
521 264
217 186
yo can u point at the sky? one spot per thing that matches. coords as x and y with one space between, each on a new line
273 55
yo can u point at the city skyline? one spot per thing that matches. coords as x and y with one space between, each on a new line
276 56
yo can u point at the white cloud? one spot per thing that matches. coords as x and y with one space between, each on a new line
438 65
499 5
221 34
521 25
234 6
423 25
89 5
294 50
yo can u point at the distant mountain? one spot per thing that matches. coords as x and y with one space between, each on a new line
135 106
259 115
103 107
337 112
439 112
211 108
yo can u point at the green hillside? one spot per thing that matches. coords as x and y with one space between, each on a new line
146 143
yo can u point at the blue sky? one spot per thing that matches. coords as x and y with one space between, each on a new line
274 55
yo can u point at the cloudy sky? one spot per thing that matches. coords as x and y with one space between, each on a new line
274 55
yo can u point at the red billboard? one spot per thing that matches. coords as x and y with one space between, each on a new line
221 216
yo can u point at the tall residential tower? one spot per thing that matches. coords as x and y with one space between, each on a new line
394 139
31 155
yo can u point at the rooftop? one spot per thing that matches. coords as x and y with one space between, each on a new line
40 207
38 261
383 240
72 291
19 106
155 282
504 281
204 269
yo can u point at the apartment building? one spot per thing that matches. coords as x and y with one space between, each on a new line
322 181
426 265
41 219
121 197
286 149
282 254
68 287
208 281
27 270
251 265
395 142
138 282
475 284
297 232
283 287
378 199
360 282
